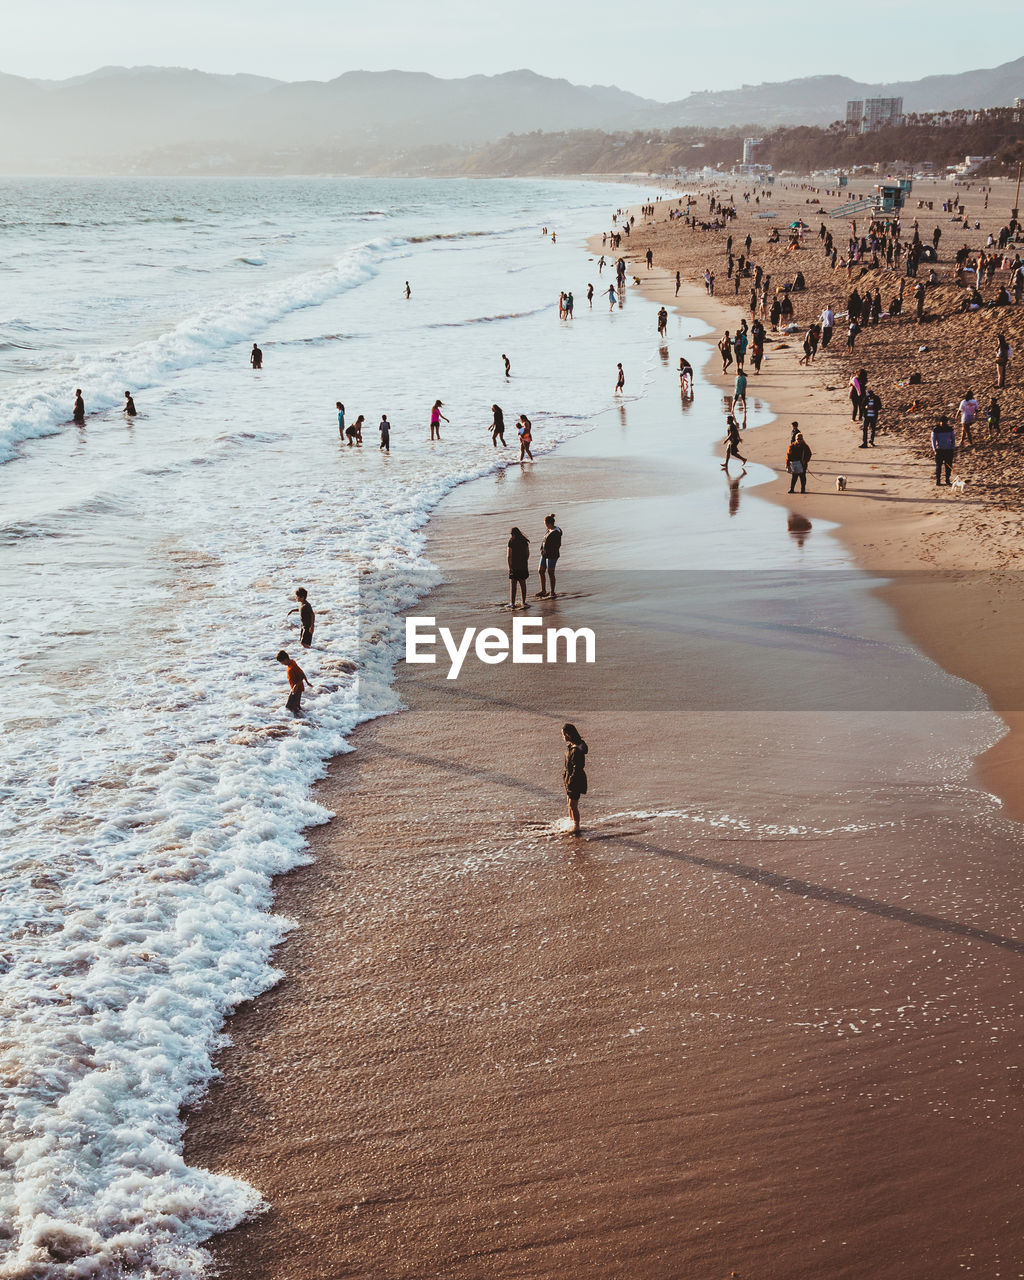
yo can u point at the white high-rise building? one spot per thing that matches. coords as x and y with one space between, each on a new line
867 114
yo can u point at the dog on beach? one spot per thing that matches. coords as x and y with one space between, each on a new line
959 484
840 484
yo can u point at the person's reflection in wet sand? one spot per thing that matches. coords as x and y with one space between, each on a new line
622 416
734 494
799 527
663 353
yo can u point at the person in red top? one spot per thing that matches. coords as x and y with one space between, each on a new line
296 682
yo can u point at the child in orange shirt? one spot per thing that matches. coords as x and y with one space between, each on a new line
296 682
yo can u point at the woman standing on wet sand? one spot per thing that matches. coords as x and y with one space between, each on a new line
518 564
575 775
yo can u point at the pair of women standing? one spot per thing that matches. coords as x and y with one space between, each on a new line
519 560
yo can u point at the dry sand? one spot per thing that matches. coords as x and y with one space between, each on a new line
763 1018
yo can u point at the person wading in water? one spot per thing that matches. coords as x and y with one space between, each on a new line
575 775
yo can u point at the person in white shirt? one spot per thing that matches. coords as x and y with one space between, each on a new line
828 321
968 414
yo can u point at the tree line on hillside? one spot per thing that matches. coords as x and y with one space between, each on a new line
938 139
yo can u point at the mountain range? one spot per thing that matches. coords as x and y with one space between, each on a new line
121 119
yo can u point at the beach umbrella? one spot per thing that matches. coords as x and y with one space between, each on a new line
798 223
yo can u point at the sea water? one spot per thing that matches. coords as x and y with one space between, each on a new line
151 780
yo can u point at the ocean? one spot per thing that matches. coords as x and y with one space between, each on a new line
152 781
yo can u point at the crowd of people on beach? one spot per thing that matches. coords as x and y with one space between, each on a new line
889 244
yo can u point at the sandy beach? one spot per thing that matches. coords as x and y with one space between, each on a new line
764 1016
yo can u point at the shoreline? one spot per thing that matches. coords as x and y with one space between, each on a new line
887 520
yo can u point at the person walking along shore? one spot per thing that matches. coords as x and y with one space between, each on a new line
732 443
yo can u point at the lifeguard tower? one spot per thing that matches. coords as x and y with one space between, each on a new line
892 195
889 197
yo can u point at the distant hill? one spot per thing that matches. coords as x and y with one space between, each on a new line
822 99
173 120
111 118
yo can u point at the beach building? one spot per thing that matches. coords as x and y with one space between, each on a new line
969 165
750 146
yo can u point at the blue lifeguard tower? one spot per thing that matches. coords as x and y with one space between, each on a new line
892 195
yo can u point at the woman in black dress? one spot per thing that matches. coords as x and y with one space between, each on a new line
575 775
518 564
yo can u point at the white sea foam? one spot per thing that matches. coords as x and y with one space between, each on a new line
151 782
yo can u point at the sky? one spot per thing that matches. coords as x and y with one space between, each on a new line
661 51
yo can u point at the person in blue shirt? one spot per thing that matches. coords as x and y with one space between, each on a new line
944 447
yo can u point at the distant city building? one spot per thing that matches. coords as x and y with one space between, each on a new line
1018 110
969 165
758 172
864 115
882 113
750 146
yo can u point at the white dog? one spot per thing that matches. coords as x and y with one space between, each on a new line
959 484
840 484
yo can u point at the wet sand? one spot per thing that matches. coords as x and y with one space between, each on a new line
763 1017
961 600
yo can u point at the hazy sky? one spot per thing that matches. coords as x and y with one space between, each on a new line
659 50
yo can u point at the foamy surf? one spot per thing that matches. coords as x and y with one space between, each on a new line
44 409
152 783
